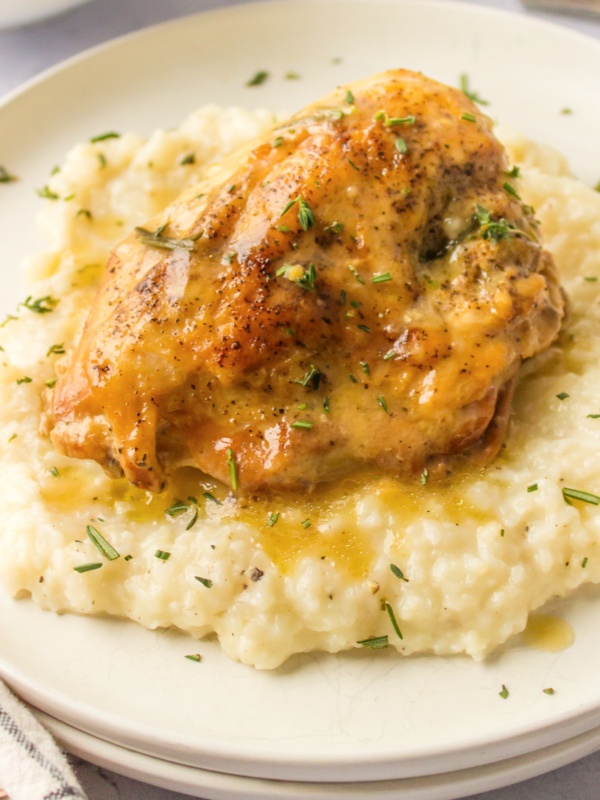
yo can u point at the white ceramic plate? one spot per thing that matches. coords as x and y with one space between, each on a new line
362 715
218 786
22 12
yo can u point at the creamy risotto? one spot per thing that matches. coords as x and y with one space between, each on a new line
420 567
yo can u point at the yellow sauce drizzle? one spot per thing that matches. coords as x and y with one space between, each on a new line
549 633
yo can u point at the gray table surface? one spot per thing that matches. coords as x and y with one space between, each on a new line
26 52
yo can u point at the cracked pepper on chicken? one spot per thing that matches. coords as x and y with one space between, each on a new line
358 288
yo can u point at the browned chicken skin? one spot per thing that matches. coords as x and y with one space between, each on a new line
356 288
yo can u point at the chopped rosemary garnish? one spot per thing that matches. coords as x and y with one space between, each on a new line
382 403
156 239
232 469
272 519
585 497
326 405
398 572
56 349
511 190
356 274
562 396
335 227
305 424
194 657
464 87
103 136
365 367
381 278
364 328
504 693
401 145
389 355
47 194
211 497
189 159
306 523
468 117
392 616
353 379
163 555
349 97
178 507
193 520
43 305
204 581
533 488
353 165
375 642
494 230
305 214
313 375
54 472
5 176
25 379
107 550
87 567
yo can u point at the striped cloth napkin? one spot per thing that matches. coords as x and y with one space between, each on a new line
31 765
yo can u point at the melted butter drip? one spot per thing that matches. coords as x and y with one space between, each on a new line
333 533
549 633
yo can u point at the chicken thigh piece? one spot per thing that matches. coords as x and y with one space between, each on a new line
358 288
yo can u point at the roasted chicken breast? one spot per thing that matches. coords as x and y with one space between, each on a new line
358 288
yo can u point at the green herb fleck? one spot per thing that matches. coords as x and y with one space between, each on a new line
382 403
194 657
349 97
335 227
392 616
56 349
87 567
232 469
272 519
104 136
562 396
178 507
204 581
464 87
515 172
533 488
25 379
364 328
356 274
47 194
502 532
398 572
13 437
468 117
211 497
292 76
365 367
259 78
584 563
54 472
424 477
504 692
127 558
51 383
381 278
43 305
156 239
593 416
306 523
326 405
163 555
107 550
193 521
5 176
375 642
511 190
305 424
585 497
313 375
401 145
189 159
102 160
550 690
353 165
85 212
278 141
